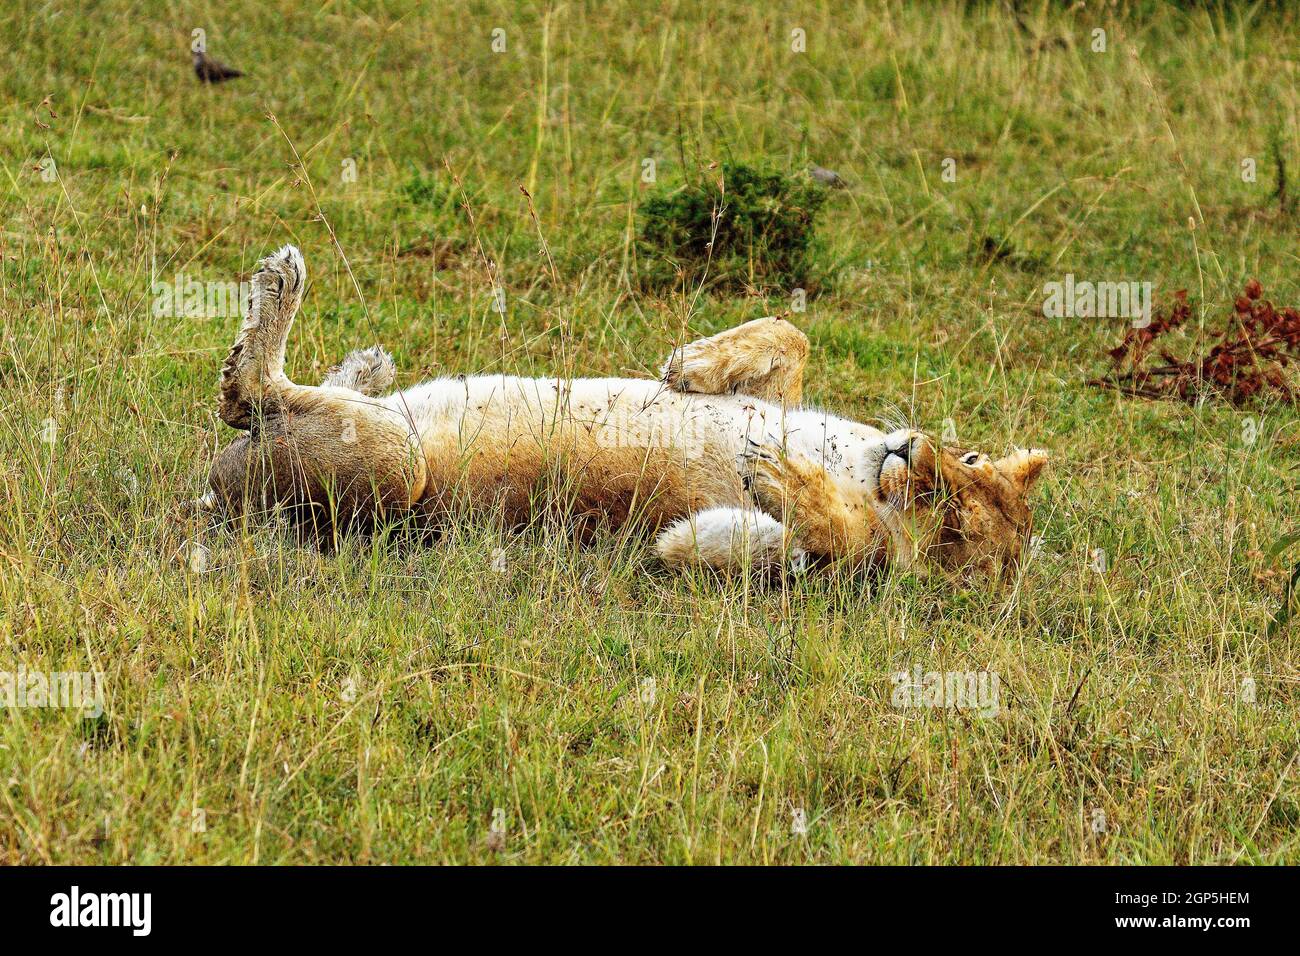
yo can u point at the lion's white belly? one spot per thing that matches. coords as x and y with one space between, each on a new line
620 412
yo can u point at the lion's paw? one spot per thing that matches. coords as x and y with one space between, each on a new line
767 473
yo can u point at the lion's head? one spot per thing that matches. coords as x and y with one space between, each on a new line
972 511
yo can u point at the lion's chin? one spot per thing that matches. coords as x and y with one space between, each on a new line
893 481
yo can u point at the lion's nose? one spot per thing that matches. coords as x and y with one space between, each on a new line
903 451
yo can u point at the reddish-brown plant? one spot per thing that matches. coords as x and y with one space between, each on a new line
1246 360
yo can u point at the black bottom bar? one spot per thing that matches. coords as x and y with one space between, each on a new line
335 905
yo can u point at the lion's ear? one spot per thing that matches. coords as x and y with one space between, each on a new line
1023 466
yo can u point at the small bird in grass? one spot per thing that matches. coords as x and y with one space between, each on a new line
827 177
209 70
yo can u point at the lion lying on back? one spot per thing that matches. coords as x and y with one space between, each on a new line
718 456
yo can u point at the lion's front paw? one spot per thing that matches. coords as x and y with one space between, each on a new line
769 475
690 369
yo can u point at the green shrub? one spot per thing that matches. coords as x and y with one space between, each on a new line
764 238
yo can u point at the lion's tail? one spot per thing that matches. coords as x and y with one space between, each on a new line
254 369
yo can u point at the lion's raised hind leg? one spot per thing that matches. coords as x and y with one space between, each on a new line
763 358
327 449
254 368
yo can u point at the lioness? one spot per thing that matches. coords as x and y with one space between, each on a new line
717 455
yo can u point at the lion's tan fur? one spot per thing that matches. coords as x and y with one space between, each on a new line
717 454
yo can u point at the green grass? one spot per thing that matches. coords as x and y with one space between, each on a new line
381 702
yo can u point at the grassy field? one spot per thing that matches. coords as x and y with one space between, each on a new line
271 703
